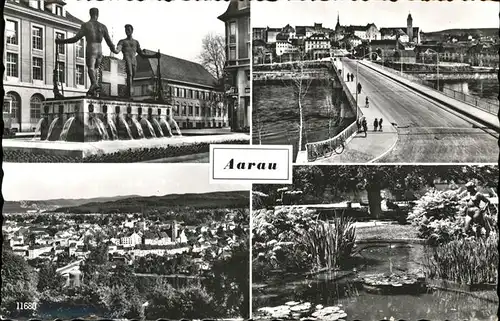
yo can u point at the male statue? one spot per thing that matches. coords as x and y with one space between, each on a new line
129 47
94 32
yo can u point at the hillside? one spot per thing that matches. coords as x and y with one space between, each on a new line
473 31
52 204
137 204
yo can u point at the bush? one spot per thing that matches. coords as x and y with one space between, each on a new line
294 240
437 216
466 261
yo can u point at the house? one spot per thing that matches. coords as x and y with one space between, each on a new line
237 68
157 238
317 45
131 239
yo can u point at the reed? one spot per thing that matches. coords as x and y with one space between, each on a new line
469 261
329 243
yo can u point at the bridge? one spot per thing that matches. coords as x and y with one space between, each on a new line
421 125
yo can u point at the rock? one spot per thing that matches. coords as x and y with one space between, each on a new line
319 307
292 303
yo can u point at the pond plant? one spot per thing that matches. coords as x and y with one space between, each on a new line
451 254
469 261
294 240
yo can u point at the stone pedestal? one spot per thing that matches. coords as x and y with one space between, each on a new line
85 119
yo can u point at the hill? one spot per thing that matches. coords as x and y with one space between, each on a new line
137 204
492 32
52 204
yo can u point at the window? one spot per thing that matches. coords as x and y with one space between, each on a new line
59 10
190 95
183 92
232 53
12 64
35 107
184 110
11 32
190 110
61 47
37 38
80 75
61 71
80 49
197 111
37 68
232 32
16 104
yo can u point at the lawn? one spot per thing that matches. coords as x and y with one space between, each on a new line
386 232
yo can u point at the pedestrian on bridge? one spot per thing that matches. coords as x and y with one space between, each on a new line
365 126
359 88
380 124
375 125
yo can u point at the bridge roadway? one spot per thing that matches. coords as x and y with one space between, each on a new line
428 131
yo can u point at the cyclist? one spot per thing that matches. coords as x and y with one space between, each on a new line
474 212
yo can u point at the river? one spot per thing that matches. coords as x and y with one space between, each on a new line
276 114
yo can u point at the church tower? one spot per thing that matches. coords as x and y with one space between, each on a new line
409 27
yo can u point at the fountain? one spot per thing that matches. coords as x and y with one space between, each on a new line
93 127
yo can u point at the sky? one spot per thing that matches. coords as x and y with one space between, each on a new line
52 181
176 28
429 16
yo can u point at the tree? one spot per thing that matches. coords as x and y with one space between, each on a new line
18 282
301 86
314 179
213 55
49 279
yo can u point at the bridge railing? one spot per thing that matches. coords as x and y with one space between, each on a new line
341 137
485 105
489 106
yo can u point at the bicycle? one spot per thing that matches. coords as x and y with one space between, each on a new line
326 149
340 147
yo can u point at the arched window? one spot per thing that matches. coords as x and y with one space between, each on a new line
16 106
36 107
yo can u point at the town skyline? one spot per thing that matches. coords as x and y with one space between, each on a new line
463 15
154 17
68 181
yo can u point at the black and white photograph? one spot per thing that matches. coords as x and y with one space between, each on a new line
377 81
366 242
123 241
124 81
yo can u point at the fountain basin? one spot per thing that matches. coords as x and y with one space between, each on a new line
27 150
85 119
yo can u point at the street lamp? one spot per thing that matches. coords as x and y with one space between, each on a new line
437 66
357 82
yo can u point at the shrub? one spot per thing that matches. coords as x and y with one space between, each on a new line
437 216
294 240
466 261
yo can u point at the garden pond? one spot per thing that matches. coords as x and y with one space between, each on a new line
342 293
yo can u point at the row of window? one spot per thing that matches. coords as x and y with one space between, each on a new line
38 72
37 38
35 106
187 125
195 94
205 111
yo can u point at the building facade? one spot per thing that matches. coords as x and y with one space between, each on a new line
237 68
31 28
195 95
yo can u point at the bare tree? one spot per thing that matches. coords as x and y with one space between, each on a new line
213 55
301 84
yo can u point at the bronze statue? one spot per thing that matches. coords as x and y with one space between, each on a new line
94 32
129 47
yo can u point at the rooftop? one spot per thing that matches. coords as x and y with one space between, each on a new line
177 69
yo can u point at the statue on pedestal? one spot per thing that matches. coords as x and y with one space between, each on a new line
130 47
94 32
